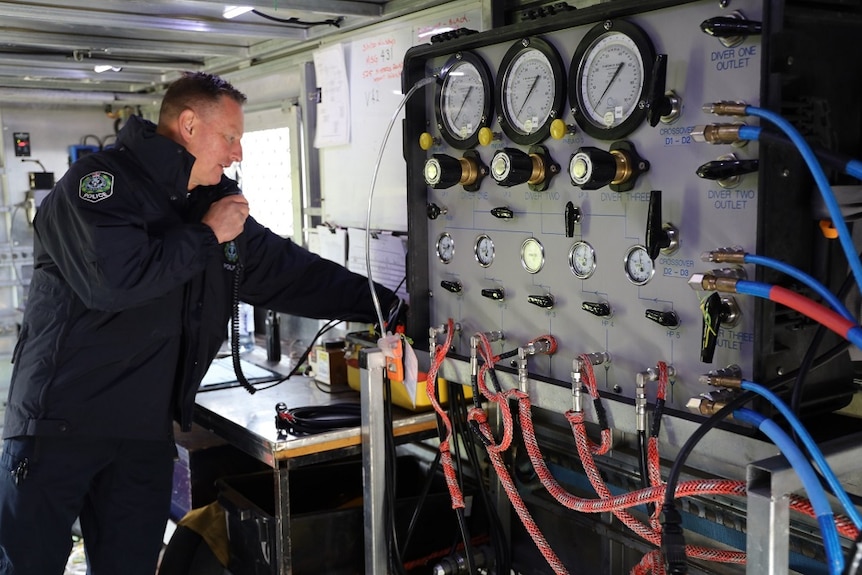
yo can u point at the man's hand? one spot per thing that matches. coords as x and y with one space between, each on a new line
227 216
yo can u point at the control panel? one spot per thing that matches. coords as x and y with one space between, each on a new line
563 179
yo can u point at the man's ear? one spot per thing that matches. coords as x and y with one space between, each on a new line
186 124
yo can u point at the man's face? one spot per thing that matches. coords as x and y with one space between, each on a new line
215 141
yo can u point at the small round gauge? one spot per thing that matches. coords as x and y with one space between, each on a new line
532 255
582 260
608 79
464 102
445 247
531 90
638 265
484 250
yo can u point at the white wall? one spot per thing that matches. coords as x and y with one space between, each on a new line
52 131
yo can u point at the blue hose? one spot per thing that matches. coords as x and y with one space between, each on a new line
816 494
822 183
811 446
803 277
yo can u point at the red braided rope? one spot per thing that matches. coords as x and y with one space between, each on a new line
455 493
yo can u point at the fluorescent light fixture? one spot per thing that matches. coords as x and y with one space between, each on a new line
99 68
234 11
435 31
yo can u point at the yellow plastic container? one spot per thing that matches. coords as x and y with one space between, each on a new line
400 396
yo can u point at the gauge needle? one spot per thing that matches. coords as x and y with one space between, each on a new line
527 97
614 77
464 101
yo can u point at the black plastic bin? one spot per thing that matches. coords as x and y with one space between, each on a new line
326 518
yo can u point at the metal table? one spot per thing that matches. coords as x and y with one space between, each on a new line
248 422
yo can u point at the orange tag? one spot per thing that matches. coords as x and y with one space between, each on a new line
395 365
829 232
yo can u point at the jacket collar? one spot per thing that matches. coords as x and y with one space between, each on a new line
166 162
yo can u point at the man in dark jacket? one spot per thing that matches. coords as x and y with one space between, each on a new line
136 253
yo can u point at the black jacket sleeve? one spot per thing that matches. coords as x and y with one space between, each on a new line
282 276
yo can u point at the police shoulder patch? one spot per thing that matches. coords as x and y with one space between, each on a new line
96 186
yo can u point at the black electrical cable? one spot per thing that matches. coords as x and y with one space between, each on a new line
299 362
499 537
396 562
297 23
468 547
643 464
313 419
234 331
808 358
423 496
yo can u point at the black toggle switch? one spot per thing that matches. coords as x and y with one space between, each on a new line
716 311
434 211
503 213
725 169
572 216
452 286
659 236
730 27
660 104
597 308
543 301
665 318
496 294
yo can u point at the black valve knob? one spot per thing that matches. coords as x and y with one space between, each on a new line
572 216
510 167
543 301
496 294
724 169
434 211
665 318
619 168
592 168
730 27
452 286
659 236
716 311
442 171
503 213
659 103
597 308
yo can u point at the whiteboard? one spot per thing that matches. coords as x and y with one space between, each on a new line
374 64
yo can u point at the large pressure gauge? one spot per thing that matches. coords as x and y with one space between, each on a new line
531 90
608 79
464 102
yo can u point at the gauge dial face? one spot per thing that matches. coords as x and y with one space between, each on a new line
638 265
484 250
445 248
532 255
582 260
464 103
531 90
608 78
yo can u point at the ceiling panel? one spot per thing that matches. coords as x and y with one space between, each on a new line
54 45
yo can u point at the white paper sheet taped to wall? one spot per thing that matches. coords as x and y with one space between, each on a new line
388 258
